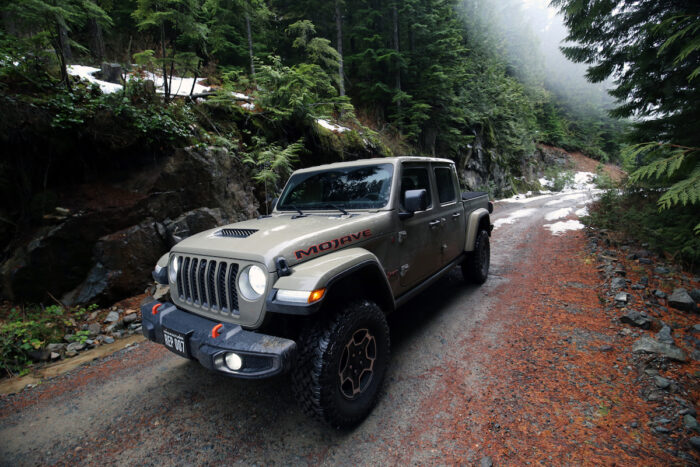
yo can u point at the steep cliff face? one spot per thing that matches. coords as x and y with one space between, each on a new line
482 168
104 244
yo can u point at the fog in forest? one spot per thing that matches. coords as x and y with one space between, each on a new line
530 33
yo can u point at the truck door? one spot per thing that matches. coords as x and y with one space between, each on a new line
453 229
419 236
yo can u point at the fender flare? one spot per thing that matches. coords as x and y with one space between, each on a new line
330 271
473 223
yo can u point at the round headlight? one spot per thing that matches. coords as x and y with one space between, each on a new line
173 269
252 282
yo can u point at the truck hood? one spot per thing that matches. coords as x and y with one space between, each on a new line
297 239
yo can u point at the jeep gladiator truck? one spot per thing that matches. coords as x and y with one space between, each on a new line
307 288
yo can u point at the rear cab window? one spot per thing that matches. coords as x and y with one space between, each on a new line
445 184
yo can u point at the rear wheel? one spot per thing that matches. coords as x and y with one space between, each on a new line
341 364
475 267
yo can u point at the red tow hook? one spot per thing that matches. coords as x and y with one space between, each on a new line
215 330
154 310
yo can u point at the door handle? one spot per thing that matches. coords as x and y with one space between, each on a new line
434 223
456 215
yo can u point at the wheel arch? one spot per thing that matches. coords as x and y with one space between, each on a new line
478 220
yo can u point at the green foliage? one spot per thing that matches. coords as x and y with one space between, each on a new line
272 162
622 40
676 169
560 178
635 213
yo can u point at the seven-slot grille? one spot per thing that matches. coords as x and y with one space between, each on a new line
208 284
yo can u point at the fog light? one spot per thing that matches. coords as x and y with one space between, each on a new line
234 361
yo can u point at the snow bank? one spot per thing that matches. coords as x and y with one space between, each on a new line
520 213
178 86
331 126
558 214
559 228
582 212
87 72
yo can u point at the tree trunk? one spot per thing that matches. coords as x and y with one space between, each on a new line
166 89
57 41
64 41
339 29
97 42
396 48
8 20
250 45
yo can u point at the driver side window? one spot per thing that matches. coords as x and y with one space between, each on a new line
414 178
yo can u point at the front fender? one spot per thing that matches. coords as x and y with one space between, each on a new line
317 273
322 273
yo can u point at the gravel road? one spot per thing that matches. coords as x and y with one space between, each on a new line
146 406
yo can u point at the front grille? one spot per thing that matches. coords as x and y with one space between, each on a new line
235 233
208 284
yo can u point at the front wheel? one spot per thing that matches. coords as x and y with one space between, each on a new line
341 364
475 267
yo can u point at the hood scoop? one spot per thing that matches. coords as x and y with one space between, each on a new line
235 233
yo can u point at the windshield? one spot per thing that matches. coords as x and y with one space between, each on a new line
361 187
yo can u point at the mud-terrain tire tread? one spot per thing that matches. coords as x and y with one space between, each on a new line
472 267
313 358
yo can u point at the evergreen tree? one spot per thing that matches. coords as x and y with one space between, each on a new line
52 21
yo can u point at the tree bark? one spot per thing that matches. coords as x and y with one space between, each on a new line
97 42
339 30
250 45
396 48
8 19
64 42
166 88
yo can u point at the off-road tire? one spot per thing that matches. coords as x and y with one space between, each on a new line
475 267
317 377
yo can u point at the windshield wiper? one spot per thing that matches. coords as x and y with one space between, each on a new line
335 206
301 214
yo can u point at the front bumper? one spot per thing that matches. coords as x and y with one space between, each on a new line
263 356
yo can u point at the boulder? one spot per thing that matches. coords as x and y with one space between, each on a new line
680 299
112 72
636 318
618 283
650 345
190 223
159 201
664 335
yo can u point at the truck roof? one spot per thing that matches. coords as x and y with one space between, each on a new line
376 160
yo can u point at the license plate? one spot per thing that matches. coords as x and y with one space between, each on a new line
176 342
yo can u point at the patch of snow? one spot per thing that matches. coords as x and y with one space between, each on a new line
582 212
178 86
523 199
553 202
584 181
558 214
573 196
331 126
514 216
248 106
546 182
560 227
87 72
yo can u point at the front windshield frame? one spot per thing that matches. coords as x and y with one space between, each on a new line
384 200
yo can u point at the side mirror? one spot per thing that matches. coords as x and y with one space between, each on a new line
414 200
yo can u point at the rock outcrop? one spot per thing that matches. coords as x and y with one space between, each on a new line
105 250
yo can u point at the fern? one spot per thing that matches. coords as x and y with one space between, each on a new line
676 167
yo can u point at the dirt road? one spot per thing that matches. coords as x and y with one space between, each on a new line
476 371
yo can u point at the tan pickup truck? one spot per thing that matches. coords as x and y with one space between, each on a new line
307 288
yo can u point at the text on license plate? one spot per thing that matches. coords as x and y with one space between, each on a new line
175 342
